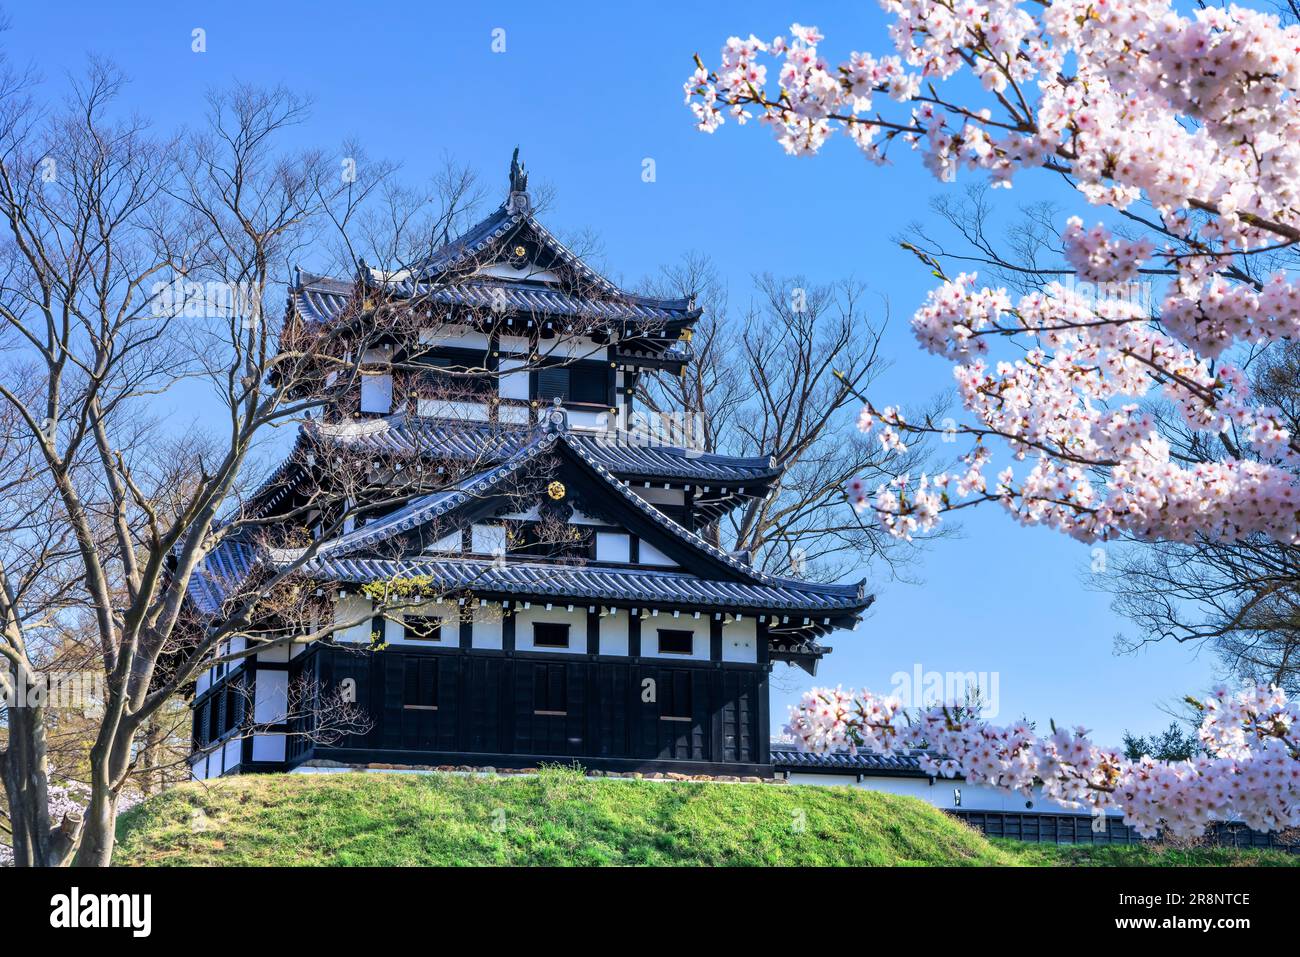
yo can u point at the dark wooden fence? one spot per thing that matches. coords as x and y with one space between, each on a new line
1078 829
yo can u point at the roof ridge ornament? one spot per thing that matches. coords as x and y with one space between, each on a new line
556 418
518 201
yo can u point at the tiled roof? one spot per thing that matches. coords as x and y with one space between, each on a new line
471 242
481 237
693 540
906 763
426 508
537 299
320 299
621 453
345 558
221 572
592 582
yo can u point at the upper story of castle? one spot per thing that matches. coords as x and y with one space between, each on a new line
494 327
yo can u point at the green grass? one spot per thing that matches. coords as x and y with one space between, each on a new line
1142 855
556 818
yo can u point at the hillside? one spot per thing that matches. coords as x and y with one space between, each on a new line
558 817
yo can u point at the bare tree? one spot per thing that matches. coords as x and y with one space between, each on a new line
140 274
780 379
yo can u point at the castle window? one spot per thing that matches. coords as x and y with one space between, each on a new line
546 540
450 378
420 684
583 384
202 731
676 642
550 690
234 706
214 717
422 628
548 634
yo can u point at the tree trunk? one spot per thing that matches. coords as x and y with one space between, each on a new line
99 835
109 760
26 782
151 777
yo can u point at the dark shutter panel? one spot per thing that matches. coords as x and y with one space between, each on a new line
553 383
557 699
411 688
539 688
589 384
429 682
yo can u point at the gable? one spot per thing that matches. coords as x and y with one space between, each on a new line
550 479
530 252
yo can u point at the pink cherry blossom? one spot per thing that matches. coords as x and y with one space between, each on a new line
1196 114
1250 770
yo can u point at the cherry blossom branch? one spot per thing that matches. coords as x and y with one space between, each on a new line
1195 116
1249 770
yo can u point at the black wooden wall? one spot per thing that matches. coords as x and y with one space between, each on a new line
550 706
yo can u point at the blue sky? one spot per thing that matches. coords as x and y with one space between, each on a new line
589 91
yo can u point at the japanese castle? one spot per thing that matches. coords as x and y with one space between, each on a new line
627 641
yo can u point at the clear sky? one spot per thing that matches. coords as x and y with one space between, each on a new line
589 91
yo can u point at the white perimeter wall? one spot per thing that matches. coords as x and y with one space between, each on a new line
940 792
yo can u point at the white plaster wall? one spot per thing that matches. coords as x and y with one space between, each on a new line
376 393
941 793
488 539
451 542
650 635
460 337
510 384
660 496
740 640
280 653
349 609
587 421
449 612
576 620
268 747
613 547
649 555
574 347
613 632
487 627
439 409
271 698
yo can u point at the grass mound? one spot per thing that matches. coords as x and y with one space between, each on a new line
560 817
